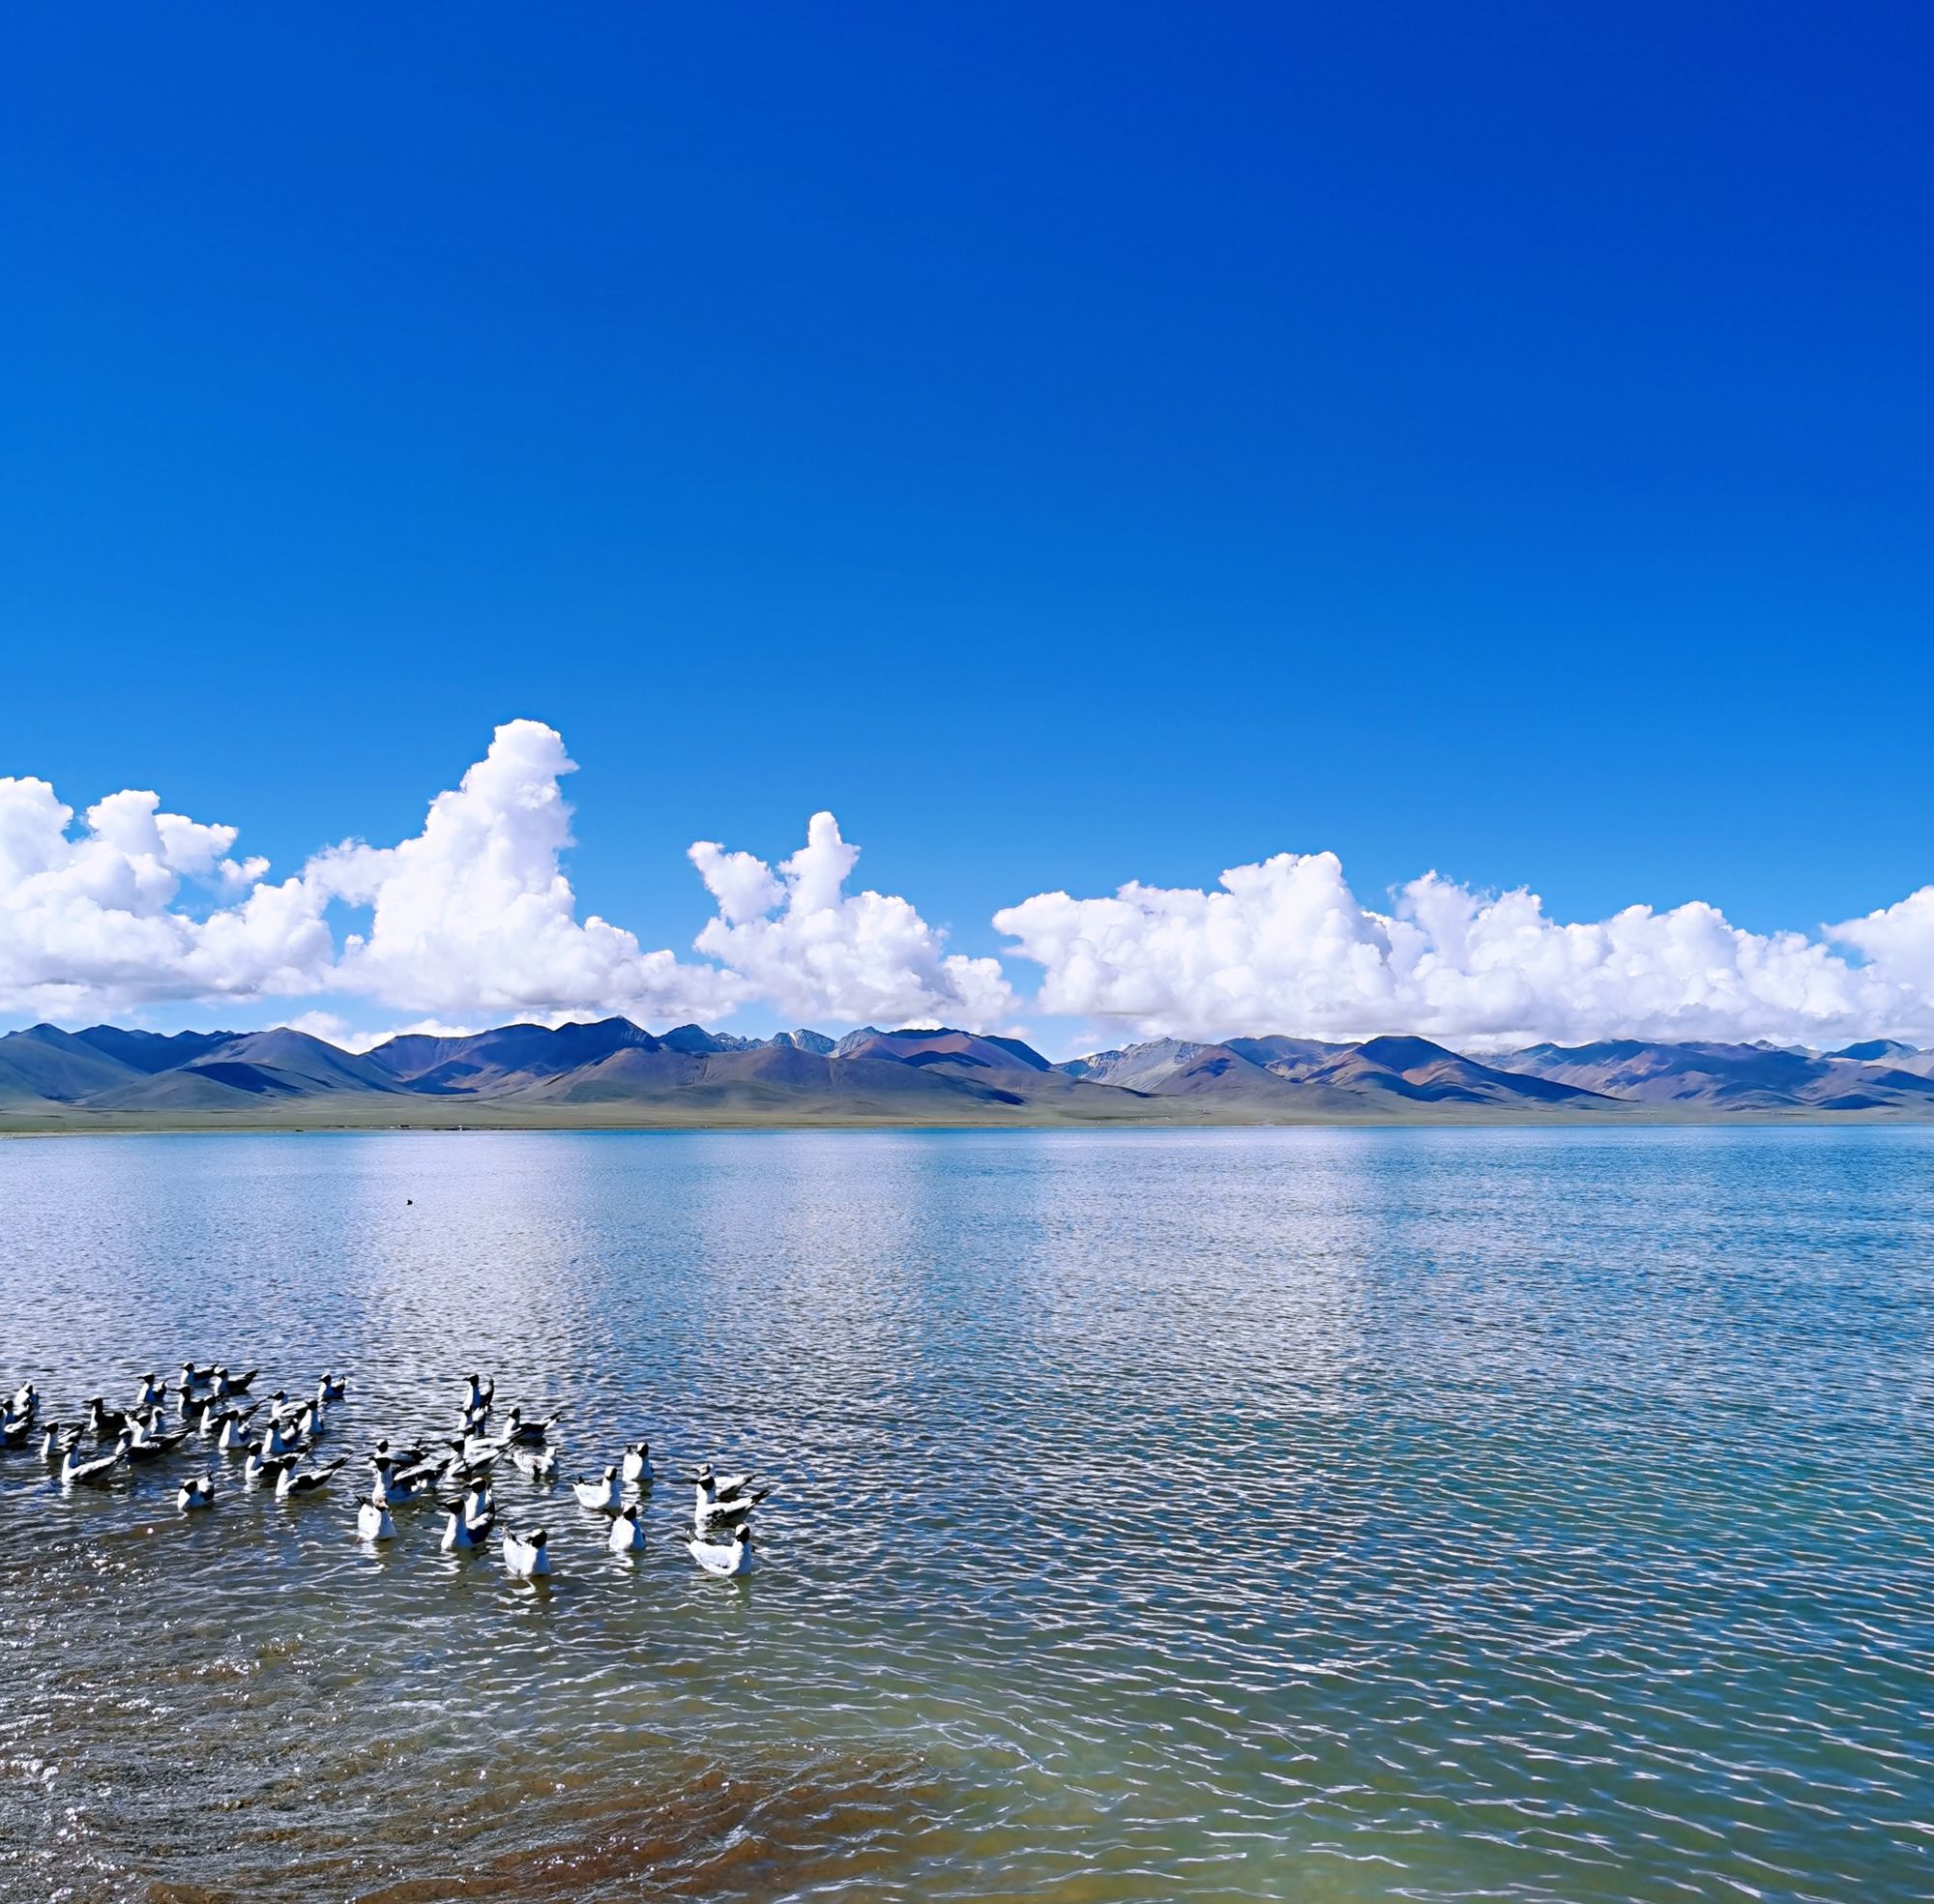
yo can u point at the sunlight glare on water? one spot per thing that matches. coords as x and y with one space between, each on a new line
1332 1516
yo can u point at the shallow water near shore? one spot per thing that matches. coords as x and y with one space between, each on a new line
1329 1515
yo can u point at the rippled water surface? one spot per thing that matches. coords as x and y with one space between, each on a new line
1302 1515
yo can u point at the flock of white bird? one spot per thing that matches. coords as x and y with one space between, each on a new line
276 1451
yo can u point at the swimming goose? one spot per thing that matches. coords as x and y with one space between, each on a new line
373 1522
98 1468
520 1433
724 1558
307 1480
196 1493
525 1554
637 1466
227 1384
458 1534
605 1494
627 1536
539 1463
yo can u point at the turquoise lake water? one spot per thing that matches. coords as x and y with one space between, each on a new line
1327 1515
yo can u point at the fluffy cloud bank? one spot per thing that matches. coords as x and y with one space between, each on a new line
799 941
1286 946
94 922
473 918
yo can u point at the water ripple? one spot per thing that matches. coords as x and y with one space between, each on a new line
1211 1515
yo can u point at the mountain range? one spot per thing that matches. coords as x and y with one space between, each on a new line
614 1072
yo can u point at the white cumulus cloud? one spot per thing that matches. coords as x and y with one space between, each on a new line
103 923
811 949
1285 946
1898 939
471 920
474 916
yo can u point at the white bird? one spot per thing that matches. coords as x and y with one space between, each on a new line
724 1558
154 1391
525 1554
227 1384
626 1536
150 1447
467 1459
56 1441
276 1442
195 1492
723 1503
605 1494
392 1488
234 1435
479 1395
637 1466
293 1482
23 1400
261 1470
403 1457
15 1430
98 1469
539 1463
457 1533
517 1432
331 1389
373 1522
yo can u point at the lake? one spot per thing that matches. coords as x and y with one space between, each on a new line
1327 1515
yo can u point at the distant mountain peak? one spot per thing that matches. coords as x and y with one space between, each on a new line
916 1072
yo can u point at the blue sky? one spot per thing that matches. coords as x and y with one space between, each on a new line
1074 445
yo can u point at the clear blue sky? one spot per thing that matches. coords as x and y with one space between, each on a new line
1072 443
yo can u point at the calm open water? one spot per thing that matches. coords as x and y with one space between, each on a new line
1329 1515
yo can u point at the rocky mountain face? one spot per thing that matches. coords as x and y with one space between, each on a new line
614 1066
